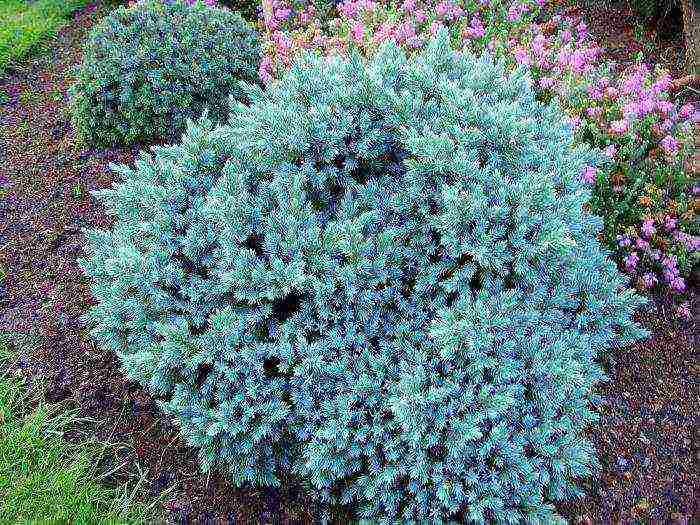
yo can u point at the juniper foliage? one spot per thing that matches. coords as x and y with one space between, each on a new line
381 277
148 68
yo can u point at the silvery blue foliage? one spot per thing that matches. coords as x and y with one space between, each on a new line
148 68
381 277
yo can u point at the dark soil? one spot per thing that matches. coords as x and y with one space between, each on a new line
648 434
618 28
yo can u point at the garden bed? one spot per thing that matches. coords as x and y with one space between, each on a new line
647 438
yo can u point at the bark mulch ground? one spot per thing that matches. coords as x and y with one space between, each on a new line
618 29
647 438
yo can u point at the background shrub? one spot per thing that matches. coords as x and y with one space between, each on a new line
654 8
248 8
381 277
150 67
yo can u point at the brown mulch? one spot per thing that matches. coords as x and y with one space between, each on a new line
619 30
647 438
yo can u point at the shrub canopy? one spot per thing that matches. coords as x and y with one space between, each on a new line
379 276
149 67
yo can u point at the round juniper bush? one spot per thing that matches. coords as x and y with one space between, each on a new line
380 277
148 68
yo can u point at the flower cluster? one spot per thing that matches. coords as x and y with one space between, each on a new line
210 3
627 114
294 25
658 250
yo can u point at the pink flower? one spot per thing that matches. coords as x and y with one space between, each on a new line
633 84
648 228
282 43
579 61
516 11
358 31
611 150
476 29
265 69
348 8
646 106
369 5
595 92
670 223
661 85
619 126
538 45
670 145
623 241
685 111
383 33
678 285
670 262
648 280
282 14
691 242
521 56
546 82
421 16
684 310
664 106
409 5
564 57
589 174
630 109
642 244
441 9
631 261
435 27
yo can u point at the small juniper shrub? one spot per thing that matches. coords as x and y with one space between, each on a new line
628 114
249 9
379 276
149 67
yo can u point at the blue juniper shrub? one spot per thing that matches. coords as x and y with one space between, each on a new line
381 277
148 68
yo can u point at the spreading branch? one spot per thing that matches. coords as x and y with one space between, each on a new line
686 81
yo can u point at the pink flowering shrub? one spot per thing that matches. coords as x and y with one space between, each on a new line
210 3
627 114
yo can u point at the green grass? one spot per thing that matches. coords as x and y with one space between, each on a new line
45 478
25 25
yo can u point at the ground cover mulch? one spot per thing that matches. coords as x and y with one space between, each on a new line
620 31
648 434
